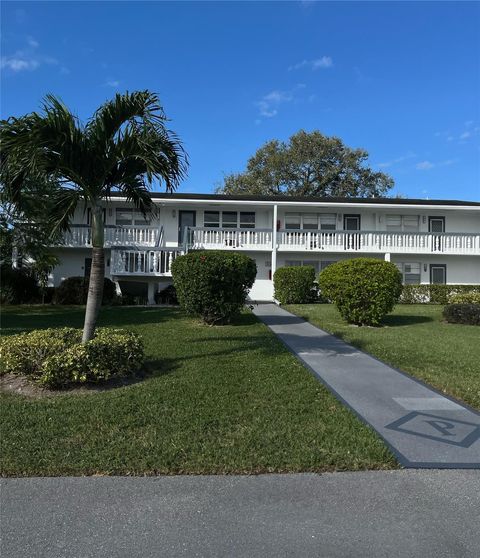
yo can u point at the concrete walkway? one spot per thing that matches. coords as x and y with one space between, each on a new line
422 427
390 514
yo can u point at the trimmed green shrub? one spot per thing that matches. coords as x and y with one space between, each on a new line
213 284
468 314
472 297
434 294
295 284
18 286
57 358
363 289
74 290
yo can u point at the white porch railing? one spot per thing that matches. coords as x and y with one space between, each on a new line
379 241
224 239
81 236
156 262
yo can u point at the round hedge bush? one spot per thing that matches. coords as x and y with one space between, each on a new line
213 284
363 289
57 357
295 284
74 290
18 286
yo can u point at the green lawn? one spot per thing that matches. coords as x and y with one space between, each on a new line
415 339
227 399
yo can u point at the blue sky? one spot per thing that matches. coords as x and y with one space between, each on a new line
401 80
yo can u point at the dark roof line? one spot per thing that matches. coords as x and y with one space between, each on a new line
220 197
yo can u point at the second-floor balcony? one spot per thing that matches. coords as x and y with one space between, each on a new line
292 240
80 236
301 240
378 242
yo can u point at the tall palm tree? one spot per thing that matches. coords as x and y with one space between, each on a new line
125 146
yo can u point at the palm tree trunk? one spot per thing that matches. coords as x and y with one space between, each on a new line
97 275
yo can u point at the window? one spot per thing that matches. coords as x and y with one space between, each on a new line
410 273
127 217
211 219
247 220
293 221
328 221
311 221
229 219
402 223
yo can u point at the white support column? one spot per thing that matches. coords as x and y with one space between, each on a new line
387 257
151 292
274 239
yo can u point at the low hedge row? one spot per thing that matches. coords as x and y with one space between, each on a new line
468 314
74 290
57 358
434 294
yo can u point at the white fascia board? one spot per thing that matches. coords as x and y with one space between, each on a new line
267 203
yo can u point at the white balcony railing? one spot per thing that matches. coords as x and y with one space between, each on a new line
156 262
224 239
379 241
80 236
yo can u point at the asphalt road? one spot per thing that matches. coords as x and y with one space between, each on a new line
409 513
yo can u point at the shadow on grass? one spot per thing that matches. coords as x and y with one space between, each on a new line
398 321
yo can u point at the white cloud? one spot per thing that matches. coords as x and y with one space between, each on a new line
32 42
424 165
27 59
465 135
112 83
316 64
400 159
269 104
17 63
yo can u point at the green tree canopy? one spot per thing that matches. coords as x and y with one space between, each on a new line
309 164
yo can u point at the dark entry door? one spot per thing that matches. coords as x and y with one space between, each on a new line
438 274
185 219
351 223
437 225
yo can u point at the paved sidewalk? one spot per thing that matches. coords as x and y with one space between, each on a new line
422 427
390 514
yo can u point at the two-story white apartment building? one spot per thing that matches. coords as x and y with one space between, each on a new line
431 241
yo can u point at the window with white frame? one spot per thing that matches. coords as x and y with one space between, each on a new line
229 219
411 274
211 219
293 221
247 219
402 223
311 221
328 221
128 216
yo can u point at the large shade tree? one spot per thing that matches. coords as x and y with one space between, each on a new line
125 147
309 164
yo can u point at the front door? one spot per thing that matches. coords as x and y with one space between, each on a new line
437 225
438 274
351 223
185 219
